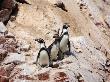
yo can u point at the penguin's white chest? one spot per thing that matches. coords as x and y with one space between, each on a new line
54 51
43 59
64 43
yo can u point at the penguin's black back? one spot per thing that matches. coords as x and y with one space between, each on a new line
50 47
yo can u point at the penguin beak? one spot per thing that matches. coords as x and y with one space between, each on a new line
68 25
56 36
36 40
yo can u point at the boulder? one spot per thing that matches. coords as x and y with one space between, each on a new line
14 57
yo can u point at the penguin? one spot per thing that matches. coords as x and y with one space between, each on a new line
64 42
53 49
43 58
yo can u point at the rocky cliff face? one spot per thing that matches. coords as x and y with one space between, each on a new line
89 36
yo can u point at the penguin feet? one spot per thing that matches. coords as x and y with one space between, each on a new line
55 66
51 64
68 53
44 65
60 57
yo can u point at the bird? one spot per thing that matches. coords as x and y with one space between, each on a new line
53 49
43 58
64 41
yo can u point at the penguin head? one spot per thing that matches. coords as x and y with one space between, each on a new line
57 37
40 40
66 25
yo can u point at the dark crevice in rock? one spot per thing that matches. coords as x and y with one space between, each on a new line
15 10
107 24
61 5
6 8
104 69
9 10
107 64
13 14
80 78
103 80
23 2
104 0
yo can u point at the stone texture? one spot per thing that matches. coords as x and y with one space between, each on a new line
14 57
89 36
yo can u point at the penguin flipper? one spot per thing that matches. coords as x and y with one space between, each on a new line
69 45
48 52
37 58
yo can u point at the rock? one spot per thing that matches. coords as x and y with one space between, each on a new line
1 46
5 72
61 77
22 1
13 57
23 72
43 76
4 79
10 45
55 66
25 47
6 10
107 1
3 54
2 39
2 27
82 16
4 14
107 20
7 4
107 63
9 35
61 5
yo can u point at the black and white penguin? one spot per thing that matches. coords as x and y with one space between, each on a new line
54 48
64 41
43 58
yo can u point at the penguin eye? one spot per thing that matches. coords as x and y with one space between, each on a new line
36 39
66 25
